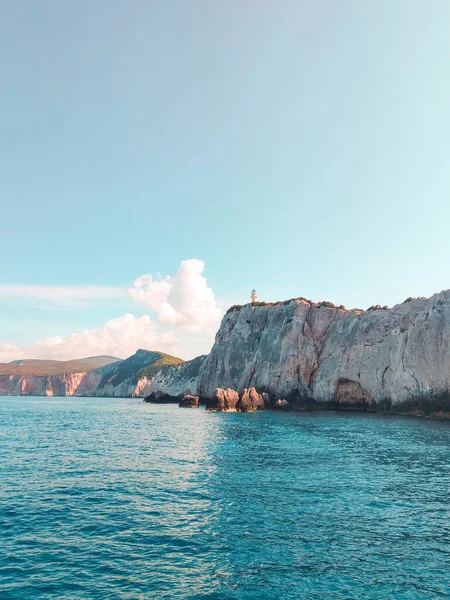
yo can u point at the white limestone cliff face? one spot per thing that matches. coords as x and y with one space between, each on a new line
313 354
71 384
176 382
128 388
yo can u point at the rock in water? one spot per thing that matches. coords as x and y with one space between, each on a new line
189 401
266 400
224 400
159 397
281 405
250 400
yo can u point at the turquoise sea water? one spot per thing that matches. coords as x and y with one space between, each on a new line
104 498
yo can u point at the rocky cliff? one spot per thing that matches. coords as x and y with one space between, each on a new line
172 383
133 376
65 384
395 359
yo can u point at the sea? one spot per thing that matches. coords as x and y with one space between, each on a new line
118 499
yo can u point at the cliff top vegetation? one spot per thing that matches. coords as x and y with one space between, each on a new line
164 361
41 368
144 363
323 304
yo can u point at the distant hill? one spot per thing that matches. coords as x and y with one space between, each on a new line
144 363
35 367
100 361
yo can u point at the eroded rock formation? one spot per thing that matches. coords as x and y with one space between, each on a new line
281 405
189 401
250 400
224 400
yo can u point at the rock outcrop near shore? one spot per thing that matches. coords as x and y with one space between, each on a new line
250 400
318 355
189 401
229 400
224 400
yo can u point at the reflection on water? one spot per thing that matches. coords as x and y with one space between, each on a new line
120 499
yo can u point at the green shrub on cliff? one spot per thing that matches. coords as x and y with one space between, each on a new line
165 361
234 308
326 304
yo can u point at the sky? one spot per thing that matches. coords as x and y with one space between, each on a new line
158 160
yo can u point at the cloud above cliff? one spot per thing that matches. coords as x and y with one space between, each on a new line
183 299
186 317
118 337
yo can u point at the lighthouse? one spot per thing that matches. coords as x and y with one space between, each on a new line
254 296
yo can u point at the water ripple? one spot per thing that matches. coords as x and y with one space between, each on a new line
117 499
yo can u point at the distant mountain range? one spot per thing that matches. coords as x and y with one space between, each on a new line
91 376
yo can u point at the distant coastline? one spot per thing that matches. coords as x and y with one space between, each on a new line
312 355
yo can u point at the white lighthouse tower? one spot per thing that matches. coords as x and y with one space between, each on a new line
254 296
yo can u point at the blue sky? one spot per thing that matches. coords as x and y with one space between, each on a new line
301 148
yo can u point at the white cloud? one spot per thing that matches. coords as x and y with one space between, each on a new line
118 337
184 304
181 300
68 296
